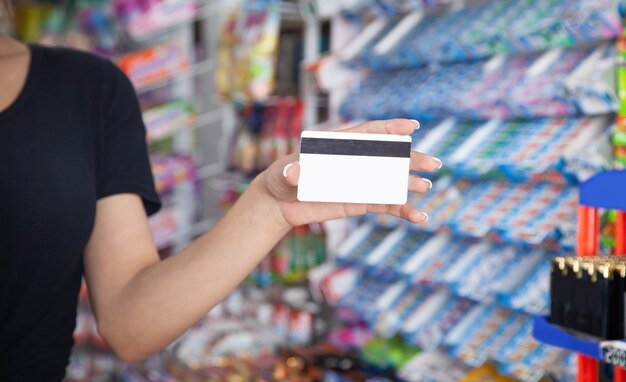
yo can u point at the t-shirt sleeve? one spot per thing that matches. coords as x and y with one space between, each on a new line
123 165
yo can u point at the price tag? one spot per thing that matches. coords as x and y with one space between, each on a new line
614 353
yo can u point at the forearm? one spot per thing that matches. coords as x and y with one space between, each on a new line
164 299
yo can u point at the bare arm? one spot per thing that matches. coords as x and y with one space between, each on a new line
142 304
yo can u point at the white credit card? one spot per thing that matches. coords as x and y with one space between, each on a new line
354 167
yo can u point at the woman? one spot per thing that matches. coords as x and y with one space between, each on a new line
75 188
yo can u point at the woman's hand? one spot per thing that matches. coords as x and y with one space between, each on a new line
280 182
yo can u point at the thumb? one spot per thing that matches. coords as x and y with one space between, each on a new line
281 178
291 173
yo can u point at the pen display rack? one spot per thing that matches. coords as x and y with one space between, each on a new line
586 294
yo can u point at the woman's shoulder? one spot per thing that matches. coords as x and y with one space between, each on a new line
73 61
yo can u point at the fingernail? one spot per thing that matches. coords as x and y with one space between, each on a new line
430 184
439 161
426 217
416 122
286 169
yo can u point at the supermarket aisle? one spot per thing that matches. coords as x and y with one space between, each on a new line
518 99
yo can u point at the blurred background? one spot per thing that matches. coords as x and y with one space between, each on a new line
521 100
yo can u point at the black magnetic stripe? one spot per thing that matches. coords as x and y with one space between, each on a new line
355 147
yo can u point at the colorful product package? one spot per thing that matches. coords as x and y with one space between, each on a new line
506 88
533 294
171 170
554 150
441 312
434 258
439 202
525 358
487 372
140 18
392 316
388 354
155 64
433 366
484 205
477 350
552 211
163 120
300 251
516 213
516 272
366 289
389 257
481 281
361 243
247 52
485 29
474 334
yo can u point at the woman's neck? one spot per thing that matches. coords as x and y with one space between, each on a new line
10 47
14 63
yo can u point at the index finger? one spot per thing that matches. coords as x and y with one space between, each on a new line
388 126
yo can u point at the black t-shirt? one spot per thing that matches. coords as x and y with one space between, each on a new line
73 135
